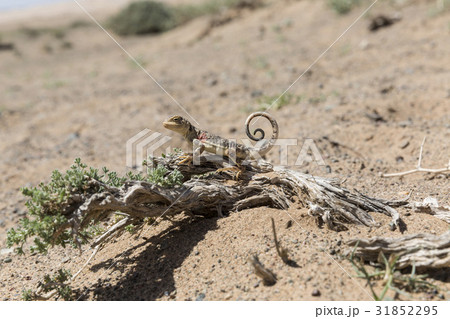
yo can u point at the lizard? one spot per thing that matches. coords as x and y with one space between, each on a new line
211 143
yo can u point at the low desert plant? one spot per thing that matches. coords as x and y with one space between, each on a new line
278 101
392 278
49 204
343 6
143 17
57 285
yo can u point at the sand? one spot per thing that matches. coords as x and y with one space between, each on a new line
377 94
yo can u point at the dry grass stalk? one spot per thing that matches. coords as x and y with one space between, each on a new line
282 252
268 277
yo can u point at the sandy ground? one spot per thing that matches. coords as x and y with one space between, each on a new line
377 94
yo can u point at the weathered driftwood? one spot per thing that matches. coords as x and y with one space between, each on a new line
213 193
423 250
431 206
333 204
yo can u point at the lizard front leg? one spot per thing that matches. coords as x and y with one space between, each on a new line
198 148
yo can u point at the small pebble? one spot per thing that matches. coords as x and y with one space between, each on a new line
257 93
404 144
6 251
212 82
316 293
200 297
7 260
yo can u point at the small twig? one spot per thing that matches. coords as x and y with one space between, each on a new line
419 167
282 252
108 234
87 262
265 274
419 164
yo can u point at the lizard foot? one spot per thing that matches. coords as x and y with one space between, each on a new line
237 170
186 159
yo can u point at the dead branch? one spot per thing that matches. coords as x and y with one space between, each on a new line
431 206
207 192
421 250
336 205
420 168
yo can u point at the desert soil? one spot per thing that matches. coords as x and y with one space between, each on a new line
367 103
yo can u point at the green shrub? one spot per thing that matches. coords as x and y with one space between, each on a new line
278 101
343 6
50 205
47 204
59 283
143 17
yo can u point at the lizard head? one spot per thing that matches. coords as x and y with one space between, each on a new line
177 124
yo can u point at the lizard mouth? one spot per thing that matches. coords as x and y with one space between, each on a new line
171 125
168 124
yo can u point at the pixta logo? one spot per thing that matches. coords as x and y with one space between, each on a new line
143 145
148 143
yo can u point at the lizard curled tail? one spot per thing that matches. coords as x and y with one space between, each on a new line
268 144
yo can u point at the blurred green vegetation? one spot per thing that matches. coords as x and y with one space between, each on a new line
343 6
143 17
